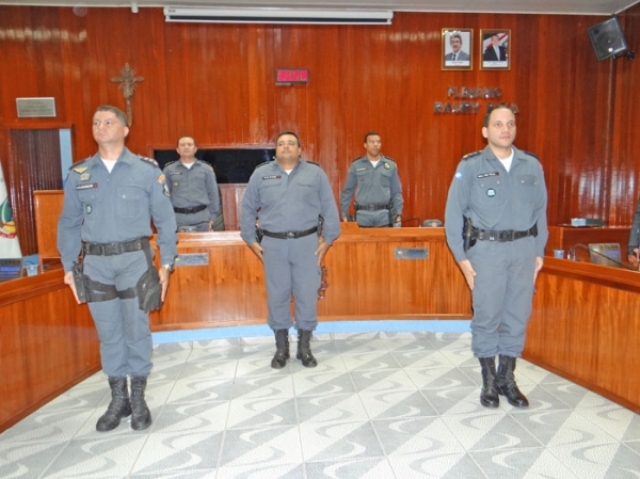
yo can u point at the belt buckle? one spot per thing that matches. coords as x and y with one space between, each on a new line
110 249
291 234
492 237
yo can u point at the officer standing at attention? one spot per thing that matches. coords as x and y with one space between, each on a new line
290 199
496 227
194 190
376 183
109 201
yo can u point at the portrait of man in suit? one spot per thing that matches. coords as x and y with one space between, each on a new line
495 49
456 49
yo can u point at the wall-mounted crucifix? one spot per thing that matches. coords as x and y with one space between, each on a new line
127 80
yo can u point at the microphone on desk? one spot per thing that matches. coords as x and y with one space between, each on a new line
571 254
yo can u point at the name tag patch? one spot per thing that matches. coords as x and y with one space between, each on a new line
86 186
485 175
272 177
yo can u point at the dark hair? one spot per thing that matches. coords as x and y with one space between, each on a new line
120 115
455 35
287 132
371 133
186 136
497 106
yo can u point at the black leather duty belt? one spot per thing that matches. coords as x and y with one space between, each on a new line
503 235
290 234
190 211
112 249
373 207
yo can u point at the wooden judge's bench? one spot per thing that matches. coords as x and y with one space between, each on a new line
585 325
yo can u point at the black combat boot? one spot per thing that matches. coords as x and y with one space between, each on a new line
282 349
304 349
140 414
489 394
119 407
507 384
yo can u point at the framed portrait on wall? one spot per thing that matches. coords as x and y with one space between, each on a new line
495 49
457 49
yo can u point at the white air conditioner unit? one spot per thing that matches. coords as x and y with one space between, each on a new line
277 15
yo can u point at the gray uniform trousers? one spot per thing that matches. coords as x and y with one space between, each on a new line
290 266
502 295
123 328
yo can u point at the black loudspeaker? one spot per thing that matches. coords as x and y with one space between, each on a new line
607 39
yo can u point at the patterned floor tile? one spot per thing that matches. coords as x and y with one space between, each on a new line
261 413
527 463
331 408
338 442
490 431
362 469
179 451
418 435
194 416
396 404
261 448
380 405
436 465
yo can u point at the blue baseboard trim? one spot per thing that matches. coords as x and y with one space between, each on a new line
390 326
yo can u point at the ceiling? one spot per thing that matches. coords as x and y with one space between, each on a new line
563 7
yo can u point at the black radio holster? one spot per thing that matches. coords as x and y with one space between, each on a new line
467 234
79 282
149 290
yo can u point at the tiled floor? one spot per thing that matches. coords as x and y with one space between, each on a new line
379 405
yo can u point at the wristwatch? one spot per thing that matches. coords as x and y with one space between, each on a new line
168 267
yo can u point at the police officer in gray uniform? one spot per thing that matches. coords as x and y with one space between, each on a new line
290 199
496 227
109 201
194 190
375 181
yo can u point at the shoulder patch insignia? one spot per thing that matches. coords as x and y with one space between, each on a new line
472 155
161 178
79 169
387 166
149 160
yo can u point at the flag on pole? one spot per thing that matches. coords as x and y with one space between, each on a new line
9 245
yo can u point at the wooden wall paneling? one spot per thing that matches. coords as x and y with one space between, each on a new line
625 170
217 81
48 344
585 327
47 206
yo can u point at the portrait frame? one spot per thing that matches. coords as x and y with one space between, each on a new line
466 50
499 58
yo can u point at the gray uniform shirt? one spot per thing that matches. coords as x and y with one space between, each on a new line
379 185
103 207
495 199
191 187
289 202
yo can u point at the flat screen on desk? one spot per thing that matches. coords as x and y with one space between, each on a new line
232 165
600 252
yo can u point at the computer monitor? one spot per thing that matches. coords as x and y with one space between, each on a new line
606 254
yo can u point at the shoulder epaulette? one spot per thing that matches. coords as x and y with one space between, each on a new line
170 163
472 155
312 162
356 159
265 163
531 154
151 161
391 159
78 168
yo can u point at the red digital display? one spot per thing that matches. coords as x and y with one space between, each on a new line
292 75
